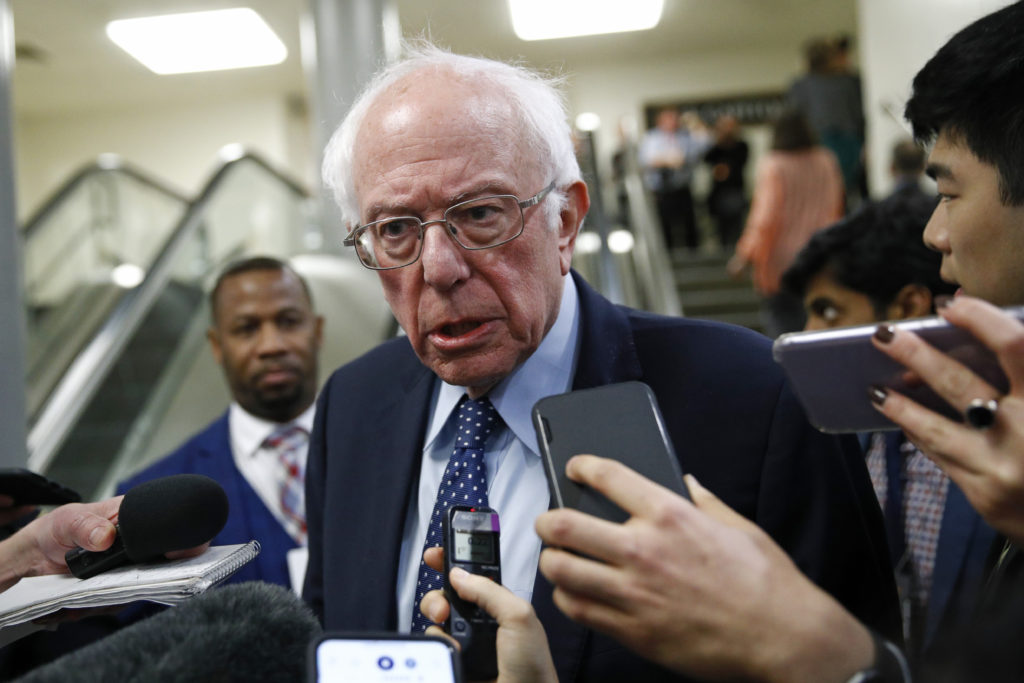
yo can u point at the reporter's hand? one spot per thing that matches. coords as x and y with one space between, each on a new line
523 654
700 590
988 465
39 547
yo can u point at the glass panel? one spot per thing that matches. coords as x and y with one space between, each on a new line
110 219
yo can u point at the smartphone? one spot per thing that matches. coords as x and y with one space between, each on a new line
617 421
472 541
831 371
382 658
29 488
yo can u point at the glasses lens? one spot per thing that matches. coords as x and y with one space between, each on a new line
389 243
486 222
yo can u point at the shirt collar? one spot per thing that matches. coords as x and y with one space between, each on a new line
547 371
248 432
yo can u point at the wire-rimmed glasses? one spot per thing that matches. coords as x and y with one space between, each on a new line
483 223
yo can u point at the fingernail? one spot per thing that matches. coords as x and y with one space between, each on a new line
97 536
458 573
877 394
885 333
942 300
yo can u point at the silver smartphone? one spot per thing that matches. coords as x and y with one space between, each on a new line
833 370
382 658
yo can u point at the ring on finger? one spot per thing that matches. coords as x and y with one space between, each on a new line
981 412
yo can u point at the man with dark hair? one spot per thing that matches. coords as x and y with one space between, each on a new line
829 95
668 154
870 267
266 338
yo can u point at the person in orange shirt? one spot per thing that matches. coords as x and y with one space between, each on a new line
799 190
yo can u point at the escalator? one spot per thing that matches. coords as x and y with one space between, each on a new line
109 219
142 380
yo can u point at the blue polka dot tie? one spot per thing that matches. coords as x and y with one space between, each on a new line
464 483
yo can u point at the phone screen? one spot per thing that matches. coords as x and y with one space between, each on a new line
391 660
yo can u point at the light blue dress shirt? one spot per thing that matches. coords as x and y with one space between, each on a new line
516 484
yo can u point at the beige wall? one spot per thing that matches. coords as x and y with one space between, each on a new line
178 143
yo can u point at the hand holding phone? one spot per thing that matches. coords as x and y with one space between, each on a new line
471 540
832 370
523 644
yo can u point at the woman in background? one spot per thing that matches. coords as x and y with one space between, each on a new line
799 190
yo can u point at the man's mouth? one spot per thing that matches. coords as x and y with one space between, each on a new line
460 328
277 375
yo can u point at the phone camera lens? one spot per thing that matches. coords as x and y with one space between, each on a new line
386 663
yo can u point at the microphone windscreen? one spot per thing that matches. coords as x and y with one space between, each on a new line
171 513
254 632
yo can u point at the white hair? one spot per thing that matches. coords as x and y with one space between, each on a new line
536 100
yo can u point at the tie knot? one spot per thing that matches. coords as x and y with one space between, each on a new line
476 420
286 437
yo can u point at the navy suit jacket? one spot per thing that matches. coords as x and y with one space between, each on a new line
965 541
734 423
209 453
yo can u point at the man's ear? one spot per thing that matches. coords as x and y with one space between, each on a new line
913 301
571 218
215 348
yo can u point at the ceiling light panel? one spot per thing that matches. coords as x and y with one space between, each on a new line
546 19
199 41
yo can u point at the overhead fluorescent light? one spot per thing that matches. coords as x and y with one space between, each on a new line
546 19
199 41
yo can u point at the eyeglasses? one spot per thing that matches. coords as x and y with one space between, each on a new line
476 224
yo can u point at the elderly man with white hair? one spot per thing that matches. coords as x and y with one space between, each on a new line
458 183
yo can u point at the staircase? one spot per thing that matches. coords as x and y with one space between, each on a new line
707 292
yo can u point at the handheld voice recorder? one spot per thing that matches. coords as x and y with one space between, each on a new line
471 542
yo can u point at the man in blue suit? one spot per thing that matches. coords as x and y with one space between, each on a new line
870 267
458 181
266 338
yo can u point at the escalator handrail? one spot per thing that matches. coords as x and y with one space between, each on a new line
106 163
90 367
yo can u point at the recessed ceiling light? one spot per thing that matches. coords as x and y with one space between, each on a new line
546 19
199 41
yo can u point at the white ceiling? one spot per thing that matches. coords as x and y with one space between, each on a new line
76 67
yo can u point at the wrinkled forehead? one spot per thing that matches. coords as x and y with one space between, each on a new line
436 104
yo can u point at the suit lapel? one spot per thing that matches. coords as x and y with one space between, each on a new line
607 355
377 486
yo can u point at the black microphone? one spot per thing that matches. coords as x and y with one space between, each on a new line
254 632
171 513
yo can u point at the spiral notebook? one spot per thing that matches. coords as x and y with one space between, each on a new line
166 582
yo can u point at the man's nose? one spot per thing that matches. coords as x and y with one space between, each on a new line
444 261
270 340
936 236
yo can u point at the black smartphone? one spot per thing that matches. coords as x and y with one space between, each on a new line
831 371
382 658
29 488
617 421
472 541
